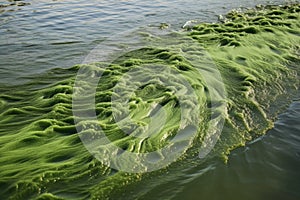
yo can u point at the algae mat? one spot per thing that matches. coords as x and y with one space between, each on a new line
198 94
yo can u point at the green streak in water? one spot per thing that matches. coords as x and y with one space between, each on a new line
42 157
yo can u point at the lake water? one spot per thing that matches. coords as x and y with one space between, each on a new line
49 34
41 35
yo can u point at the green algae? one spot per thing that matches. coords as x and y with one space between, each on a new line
42 156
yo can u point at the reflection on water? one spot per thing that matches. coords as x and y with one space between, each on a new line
50 34
12 5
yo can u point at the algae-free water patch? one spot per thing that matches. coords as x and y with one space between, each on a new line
256 52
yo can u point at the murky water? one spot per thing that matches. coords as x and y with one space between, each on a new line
36 36
49 34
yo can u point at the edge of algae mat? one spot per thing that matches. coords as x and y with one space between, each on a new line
257 53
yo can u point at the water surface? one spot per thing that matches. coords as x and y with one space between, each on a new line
39 36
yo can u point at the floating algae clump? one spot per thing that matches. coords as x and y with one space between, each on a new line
258 63
42 156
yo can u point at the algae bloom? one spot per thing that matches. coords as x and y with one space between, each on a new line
156 103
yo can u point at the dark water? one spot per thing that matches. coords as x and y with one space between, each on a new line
42 35
265 169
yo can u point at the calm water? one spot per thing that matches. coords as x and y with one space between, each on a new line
42 35
265 169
